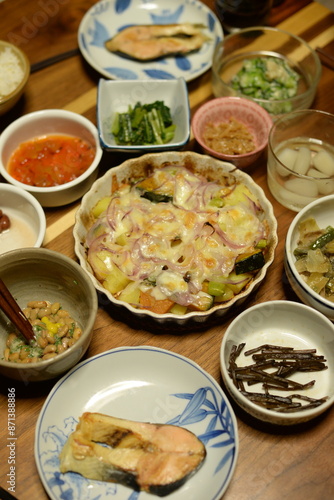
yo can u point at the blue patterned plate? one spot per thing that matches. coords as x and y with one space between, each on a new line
107 17
144 384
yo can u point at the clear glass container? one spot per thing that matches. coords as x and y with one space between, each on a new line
231 53
300 165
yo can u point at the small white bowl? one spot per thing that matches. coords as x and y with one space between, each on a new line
27 218
288 324
246 112
115 96
41 123
322 210
8 100
41 274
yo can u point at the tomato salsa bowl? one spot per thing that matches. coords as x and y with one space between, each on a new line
53 154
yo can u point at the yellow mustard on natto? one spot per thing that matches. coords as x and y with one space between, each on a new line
52 327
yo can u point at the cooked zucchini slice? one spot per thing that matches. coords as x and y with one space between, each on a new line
156 197
247 263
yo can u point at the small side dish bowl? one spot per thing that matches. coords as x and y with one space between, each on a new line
285 324
26 217
51 122
283 48
252 119
322 211
115 96
176 272
14 75
300 165
41 274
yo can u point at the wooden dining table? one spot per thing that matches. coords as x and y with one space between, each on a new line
289 463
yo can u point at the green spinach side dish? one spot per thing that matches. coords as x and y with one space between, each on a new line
144 124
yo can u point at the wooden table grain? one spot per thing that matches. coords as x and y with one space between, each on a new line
273 464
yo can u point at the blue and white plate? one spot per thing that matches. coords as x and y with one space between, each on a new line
107 17
145 384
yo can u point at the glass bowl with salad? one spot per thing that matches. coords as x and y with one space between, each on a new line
309 255
273 67
143 115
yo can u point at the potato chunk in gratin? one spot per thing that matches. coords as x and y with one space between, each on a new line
176 241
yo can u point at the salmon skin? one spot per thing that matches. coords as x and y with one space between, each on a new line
153 41
155 458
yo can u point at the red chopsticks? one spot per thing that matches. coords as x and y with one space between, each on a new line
13 311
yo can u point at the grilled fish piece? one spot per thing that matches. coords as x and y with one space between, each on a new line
149 42
155 458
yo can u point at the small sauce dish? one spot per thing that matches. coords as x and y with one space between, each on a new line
248 115
27 219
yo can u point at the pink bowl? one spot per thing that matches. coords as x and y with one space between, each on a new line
247 112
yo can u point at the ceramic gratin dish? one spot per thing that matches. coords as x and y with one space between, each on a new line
138 168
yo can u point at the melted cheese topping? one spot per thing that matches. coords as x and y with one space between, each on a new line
177 245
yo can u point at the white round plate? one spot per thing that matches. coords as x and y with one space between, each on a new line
144 384
107 17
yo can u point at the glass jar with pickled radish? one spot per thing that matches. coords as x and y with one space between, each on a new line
301 158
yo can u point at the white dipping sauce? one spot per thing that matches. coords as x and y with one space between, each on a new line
20 233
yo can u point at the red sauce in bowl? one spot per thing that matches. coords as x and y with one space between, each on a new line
50 160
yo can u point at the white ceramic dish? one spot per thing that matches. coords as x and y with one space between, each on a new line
322 210
41 123
115 96
206 165
103 20
287 324
146 384
27 218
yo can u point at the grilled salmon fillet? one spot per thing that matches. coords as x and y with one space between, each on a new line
148 42
155 458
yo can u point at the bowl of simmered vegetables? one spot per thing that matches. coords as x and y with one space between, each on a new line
60 302
309 255
175 238
274 68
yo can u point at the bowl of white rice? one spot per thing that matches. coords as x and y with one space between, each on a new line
14 74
